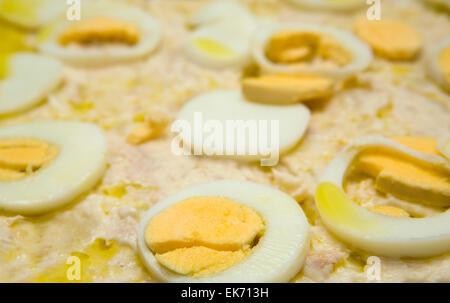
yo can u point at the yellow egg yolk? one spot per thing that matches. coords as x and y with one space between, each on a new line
391 39
390 211
282 88
293 47
405 179
203 235
21 157
100 29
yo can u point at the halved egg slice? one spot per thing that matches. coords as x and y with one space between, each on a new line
439 64
375 232
225 231
222 123
306 49
107 33
330 4
44 165
222 35
31 13
27 79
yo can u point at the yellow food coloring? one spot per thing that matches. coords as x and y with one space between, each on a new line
203 235
213 48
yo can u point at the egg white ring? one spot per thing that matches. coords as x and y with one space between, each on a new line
72 172
32 77
362 54
46 13
233 33
319 4
433 67
277 257
397 237
215 102
150 36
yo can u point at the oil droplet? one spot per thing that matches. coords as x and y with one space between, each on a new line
93 262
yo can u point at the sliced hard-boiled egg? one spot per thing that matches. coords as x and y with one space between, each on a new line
27 79
31 13
107 33
223 123
330 4
44 165
222 35
225 231
371 231
221 44
305 49
406 179
439 64
391 39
